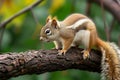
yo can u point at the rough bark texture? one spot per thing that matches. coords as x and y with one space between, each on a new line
41 61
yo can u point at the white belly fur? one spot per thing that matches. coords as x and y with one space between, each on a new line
82 37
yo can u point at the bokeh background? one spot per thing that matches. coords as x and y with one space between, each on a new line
22 33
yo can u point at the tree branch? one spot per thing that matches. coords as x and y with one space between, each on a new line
111 6
4 23
41 61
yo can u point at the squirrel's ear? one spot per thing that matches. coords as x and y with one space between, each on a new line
54 18
54 22
48 18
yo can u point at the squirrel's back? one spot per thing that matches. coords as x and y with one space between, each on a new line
73 18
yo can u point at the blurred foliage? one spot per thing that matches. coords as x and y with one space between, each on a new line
10 7
23 32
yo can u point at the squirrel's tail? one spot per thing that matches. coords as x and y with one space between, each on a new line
110 60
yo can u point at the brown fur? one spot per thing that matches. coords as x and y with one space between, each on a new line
70 20
111 59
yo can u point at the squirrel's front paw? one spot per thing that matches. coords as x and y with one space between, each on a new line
85 54
60 52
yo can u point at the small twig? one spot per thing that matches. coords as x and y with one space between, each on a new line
111 6
1 37
34 17
36 21
38 28
104 21
4 23
88 7
73 6
111 27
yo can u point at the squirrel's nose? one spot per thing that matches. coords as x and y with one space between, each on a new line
41 38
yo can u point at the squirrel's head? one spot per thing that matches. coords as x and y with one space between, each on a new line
50 31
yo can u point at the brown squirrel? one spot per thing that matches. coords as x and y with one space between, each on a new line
78 29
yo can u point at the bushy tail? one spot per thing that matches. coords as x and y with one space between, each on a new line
110 60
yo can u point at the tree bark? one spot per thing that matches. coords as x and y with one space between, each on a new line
41 61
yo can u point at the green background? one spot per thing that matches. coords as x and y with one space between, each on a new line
22 34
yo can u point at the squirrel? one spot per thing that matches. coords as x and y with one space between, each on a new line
77 29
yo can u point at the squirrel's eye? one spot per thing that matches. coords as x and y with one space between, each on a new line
48 32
